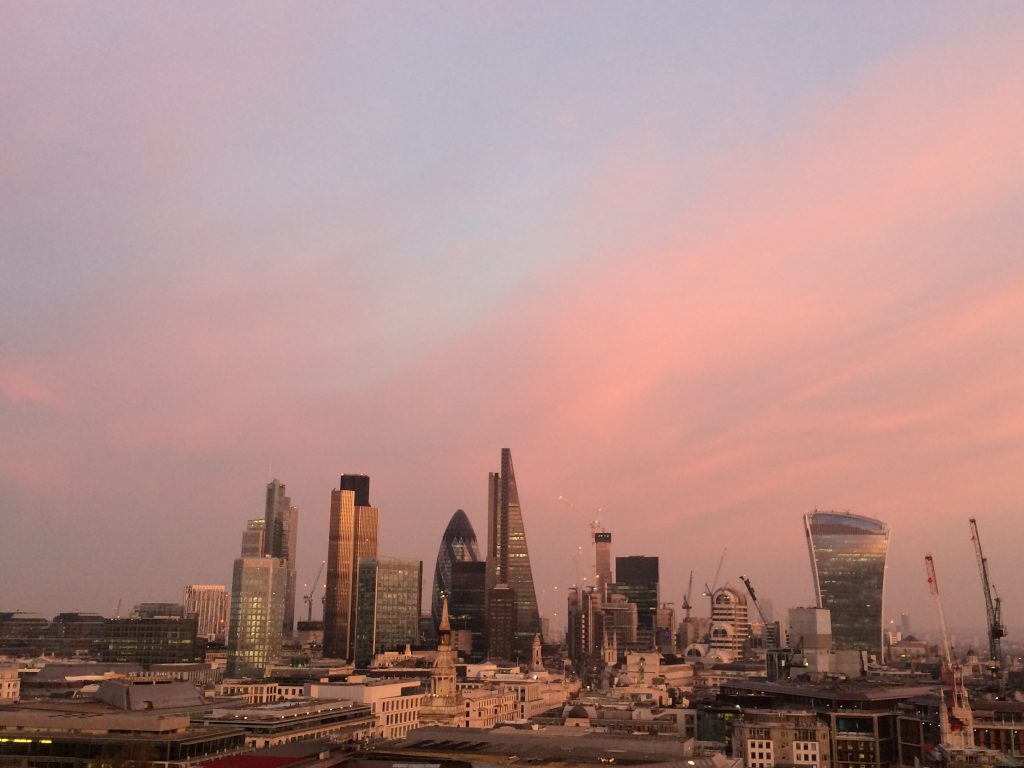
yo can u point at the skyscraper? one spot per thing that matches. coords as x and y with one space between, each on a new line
636 578
281 523
508 560
209 603
458 545
603 561
388 594
848 566
254 632
353 534
467 602
253 537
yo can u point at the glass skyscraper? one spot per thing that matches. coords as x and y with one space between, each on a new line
281 526
458 545
508 560
848 565
388 597
353 534
257 615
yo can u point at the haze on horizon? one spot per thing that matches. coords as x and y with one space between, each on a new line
703 268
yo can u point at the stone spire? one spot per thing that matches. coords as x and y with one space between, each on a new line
442 678
537 663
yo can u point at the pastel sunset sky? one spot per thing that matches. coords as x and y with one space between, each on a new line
704 267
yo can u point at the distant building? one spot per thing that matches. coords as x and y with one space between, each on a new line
388 594
848 555
281 522
253 538
10 684
148 641
467 605
603 561
76 634
636 578
810 636
158 611
254 631
730 623
354 526
283 722
209 603
458 545
502 615
508 562
395 704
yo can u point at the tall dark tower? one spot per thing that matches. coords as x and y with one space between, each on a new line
508 561
281 532
458 545
353 534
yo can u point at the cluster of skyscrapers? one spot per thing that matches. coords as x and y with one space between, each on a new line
371 602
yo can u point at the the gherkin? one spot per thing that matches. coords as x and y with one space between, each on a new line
458 545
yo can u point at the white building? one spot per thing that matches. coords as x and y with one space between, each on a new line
730 623
395 704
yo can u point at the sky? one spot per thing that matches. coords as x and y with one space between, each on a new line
702 268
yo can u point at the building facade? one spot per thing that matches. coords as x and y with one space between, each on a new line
148 641
354 526
848 555
467 606
257 607
730 623
603 561
388 594
508 559
281 522
209 603
253 538
765 739
636 578
458 545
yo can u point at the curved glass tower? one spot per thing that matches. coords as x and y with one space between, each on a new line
848 564
458 545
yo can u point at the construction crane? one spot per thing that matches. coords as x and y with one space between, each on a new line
312 591
753 597
595 528
686 599
709 591
956 726
993 610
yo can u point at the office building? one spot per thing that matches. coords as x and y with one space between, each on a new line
281 523
730 623
152 640
848 567
158 611
810 637
458 545
765 739
636 578
75 634
502 615
253 537
255 627
508 561
603 561
467 605
353 535
209 603
388 594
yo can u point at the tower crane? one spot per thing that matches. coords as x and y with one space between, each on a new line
686 606
993 609
710 591
753 597
957 731
308 598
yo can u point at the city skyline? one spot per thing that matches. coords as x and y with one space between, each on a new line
703 271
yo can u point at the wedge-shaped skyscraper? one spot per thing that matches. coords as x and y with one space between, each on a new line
508 560
458 545
848 564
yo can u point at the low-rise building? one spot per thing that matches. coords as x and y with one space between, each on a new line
270 724
765 739
395 704
10 684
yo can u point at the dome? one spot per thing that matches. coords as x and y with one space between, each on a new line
579 711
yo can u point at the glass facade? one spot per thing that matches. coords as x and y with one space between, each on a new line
257 615
387 605
467 604
636 578
281 522
508 559
458 545
353 535
848 565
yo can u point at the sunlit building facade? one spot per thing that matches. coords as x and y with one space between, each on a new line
508 563
257 608
253 537
354 526
458 545
848 566
209 603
